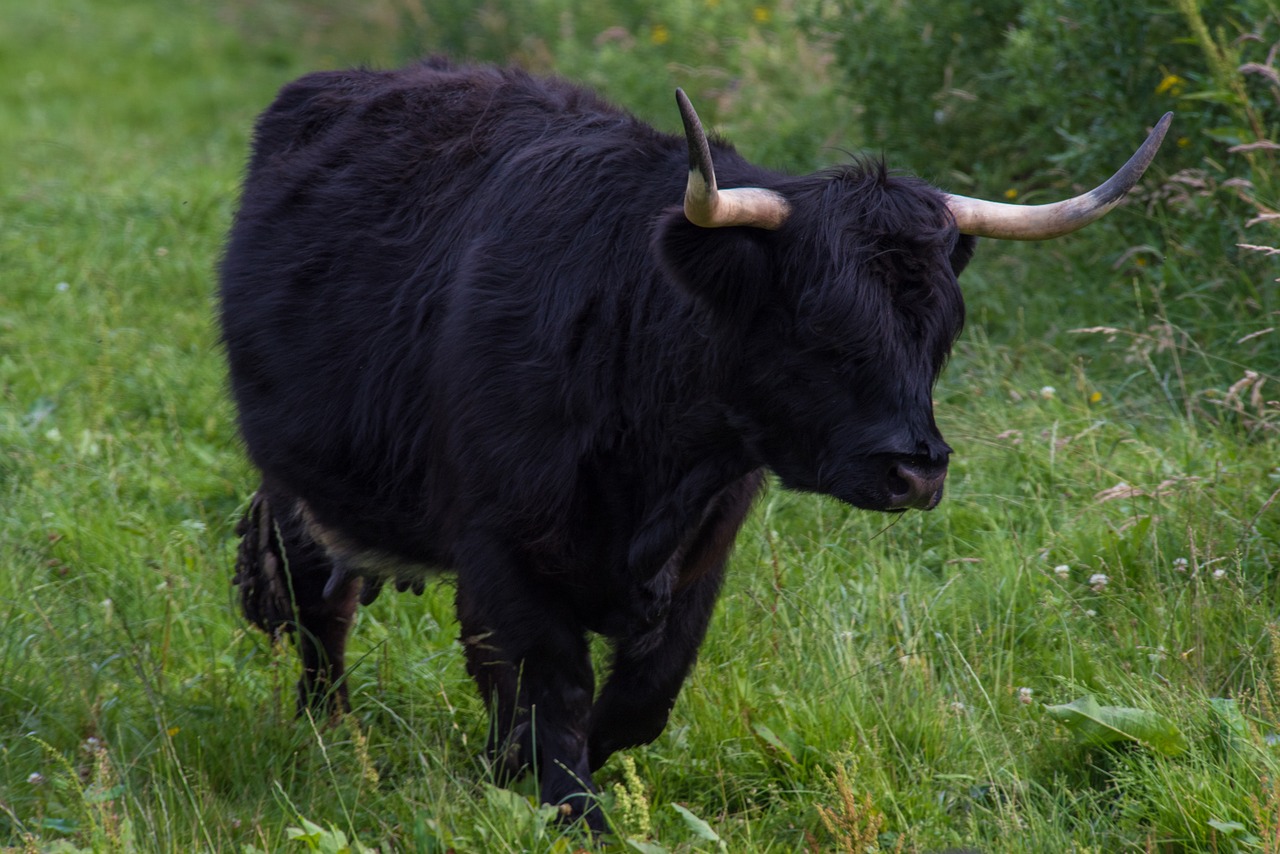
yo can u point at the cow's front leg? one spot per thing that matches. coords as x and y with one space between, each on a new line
651 663
643 683
530 659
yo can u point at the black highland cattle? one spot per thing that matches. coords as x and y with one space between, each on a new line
484 322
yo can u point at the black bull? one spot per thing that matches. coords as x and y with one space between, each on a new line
485 322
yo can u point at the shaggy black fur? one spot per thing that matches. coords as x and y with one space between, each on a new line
470 328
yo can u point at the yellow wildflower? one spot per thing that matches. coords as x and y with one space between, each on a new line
1183 142
1171 84
1011 193
659 34
761 14
1096 397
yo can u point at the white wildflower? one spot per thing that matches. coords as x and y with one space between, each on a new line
1048 392
1180 564
1062 571
1219 574
1098 581
1024 696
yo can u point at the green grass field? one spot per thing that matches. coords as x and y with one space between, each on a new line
1111 528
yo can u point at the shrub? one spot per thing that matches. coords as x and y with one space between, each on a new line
958 90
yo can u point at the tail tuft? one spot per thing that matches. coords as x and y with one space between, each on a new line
262 569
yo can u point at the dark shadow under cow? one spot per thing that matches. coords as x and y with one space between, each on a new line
483 322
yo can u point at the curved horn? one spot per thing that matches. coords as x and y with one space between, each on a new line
708 207
1041 222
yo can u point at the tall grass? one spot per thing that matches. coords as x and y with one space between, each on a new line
1111 527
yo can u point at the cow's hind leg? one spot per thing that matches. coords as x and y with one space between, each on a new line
289 585
531 662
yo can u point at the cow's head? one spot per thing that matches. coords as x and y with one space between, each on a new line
841 290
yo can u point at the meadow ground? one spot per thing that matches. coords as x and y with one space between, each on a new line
1111 529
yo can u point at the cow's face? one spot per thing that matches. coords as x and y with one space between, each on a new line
843 318
841 290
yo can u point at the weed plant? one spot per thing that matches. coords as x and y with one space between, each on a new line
1111 528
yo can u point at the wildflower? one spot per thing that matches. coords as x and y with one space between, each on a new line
1183 141
1062 571
1171 84
1219 574
1091 613
63 287
1096 397
1011 193
1048 392
1098 581
35 778
1024 696
659 34
1180 564
959 707
761 14
632 802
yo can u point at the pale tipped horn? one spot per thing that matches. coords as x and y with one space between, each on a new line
706 206
1041 222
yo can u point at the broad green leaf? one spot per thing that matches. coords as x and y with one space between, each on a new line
646 847
334 841
1227 827
773 744
698 827
1091 723
1233 730
1215 96
507 801
1227 712
310 833
1234 830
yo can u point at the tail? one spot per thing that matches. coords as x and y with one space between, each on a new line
262 570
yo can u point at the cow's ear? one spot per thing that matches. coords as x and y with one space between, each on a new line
726 269
962 252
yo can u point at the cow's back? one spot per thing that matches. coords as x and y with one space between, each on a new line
416 266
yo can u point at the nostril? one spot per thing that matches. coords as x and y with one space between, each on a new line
914 485
899 483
